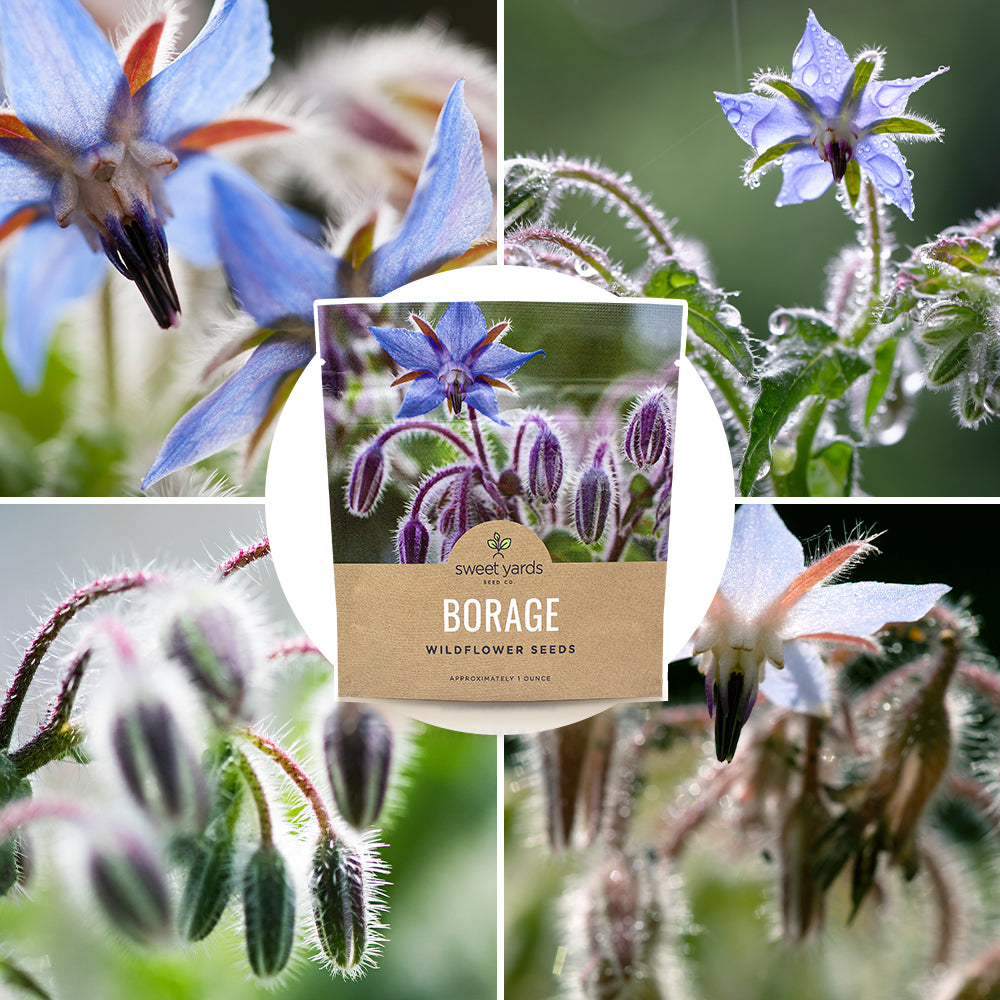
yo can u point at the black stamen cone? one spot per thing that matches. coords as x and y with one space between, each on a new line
729 716
139 253
840 156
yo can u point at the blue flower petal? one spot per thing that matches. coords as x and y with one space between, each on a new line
821 67
410 349
275 272
763 122
483 399
46 270
802 686
806 176
499 360
230 57
460 328
423 394
881 159
233 410
451 206
887 98
61 74
191 197
24 176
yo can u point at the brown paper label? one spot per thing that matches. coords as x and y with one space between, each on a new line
500 622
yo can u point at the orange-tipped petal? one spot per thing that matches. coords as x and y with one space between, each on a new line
427 330
229 131
20 219
138 66
821 570
11 126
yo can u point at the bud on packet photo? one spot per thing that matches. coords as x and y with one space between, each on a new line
500 478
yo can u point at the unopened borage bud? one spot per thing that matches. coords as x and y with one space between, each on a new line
131 889
357 745
268 911
340 903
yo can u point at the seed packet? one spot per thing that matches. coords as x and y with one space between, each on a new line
500 487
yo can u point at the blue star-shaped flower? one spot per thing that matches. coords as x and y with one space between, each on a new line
829 121
459 361
276 273
100 154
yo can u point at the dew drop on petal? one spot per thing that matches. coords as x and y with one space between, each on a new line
810 75
886 169
888 93
734 116
827 79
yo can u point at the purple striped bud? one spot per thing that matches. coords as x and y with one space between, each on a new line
131 887
591 504
647 435
340 902
545 467
155 763
365 485
214 645
357 744
413 541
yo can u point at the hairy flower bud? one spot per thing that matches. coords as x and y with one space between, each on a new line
413 541
591 504
208 887
154 761
647 435
211 640
545 467
268 911
340 903
367 476
13 850
357 744
130 885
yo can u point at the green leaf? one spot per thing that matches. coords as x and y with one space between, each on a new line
798 375
563 547
641 490
711 317
885 356
775 153
831 470
910 126
791 326
964 253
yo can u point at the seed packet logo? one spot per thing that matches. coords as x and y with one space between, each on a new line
498 544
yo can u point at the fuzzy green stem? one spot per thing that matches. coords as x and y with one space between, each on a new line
298 777
259 798
579 249
244 557
480 444
619 189
48 634
57 737
431 428
877 239
708 362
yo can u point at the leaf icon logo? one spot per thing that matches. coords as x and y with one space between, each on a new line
498 544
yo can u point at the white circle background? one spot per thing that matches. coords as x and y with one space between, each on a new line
298 514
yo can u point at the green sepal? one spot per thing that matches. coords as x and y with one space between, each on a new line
711 317
909 126
787 89
852 182
964 253
775 153
885 357
268 911
950 364
863 70
799 373
208 887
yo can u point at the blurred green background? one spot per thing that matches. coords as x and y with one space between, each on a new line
631 83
